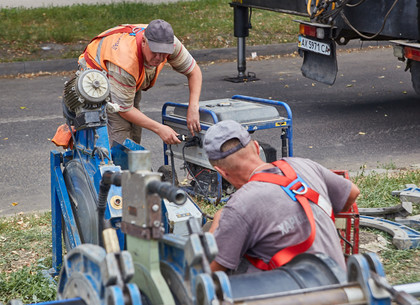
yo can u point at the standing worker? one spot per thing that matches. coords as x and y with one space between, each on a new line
133 56
279 210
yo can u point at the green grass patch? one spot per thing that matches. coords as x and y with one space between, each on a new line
24 236
27 284
377 187
25 251
198 24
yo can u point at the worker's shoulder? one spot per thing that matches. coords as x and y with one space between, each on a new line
299 161
256 191
307 168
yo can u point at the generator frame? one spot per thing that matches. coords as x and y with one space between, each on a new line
285 124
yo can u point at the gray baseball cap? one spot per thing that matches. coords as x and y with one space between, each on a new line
160 36
219 134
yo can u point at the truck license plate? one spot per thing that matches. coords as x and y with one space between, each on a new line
314 46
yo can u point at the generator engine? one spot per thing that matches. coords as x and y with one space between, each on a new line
85 97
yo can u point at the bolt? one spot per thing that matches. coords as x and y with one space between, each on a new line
155 208
156 223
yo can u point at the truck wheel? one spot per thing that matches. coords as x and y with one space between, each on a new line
415 75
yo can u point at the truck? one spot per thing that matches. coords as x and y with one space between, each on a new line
328 23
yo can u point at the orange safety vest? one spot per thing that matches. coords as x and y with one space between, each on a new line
120 45
297 189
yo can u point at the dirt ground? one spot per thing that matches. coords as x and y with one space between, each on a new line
43 51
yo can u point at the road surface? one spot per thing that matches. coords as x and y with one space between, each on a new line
369 118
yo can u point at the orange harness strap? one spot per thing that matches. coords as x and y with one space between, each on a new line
295 187
130 29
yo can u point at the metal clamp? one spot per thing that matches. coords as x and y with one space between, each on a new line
292 193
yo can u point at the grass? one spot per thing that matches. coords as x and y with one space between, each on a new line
377 188
198 24
25 242
25 250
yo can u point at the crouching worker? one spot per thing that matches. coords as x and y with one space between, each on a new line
265 224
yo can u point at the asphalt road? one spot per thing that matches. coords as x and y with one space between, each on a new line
370 117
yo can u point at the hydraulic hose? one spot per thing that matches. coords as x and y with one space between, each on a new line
108 178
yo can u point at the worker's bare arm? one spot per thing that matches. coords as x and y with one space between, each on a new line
354 192
166 133
215 266
215 222
194 84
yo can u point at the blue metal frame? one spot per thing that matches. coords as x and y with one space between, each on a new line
86 141
360 268
288 121
287 125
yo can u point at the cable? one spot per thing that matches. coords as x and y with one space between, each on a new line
205 194
308 8
249 20
190 171
344 239
204 169
377 33
328 16
357 4
172 165
102 153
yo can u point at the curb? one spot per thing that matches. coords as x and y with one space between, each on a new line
207 55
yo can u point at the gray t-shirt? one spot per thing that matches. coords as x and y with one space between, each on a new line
260 219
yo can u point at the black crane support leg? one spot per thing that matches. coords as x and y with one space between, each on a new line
241 26
241 30
241 57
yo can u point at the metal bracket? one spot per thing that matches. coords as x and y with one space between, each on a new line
410 221
403 236
411 193
242 78
403 209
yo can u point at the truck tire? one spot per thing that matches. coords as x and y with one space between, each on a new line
415 75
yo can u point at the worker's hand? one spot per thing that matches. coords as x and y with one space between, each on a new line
193 120
168 135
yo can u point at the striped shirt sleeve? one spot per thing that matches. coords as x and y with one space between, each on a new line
181 60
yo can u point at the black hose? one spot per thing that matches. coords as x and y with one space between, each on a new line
172 165
102 199
112 178
108 178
